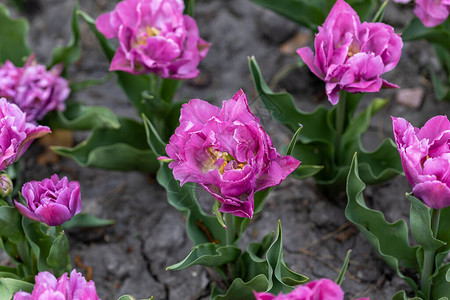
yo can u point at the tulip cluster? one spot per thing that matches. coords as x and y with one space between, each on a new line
322 289
154 36
33 89
16 134
430 12
227 152
64 288
350 55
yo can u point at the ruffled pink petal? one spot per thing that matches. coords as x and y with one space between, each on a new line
434 194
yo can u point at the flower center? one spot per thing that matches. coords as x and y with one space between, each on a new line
219 160
352 50
144 35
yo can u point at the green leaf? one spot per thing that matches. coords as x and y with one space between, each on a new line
310 14
209 255
153 138
169 88
83 220
389 239
316 145
128 297
40 242
282 278
242 290
13 35
441 283
294 140
123 149
10 286
344 268
380 13
420 223
218 214
80 117
58 257
201 228
437 35
10 224
70 53
401 295
305 171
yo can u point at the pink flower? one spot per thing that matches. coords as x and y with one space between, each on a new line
52 201
351 55
322 289
154 36
430 12
16 134
227 152
49 288
34 89
425 155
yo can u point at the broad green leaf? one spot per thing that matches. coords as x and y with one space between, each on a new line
283 109
316 145
242 290
401 295
209 255
123 149
389 239
201 228
168 88
441 285
437 35
442 88
10 286
83 220
10 224
304 171
70 53
40 242
58 258
443 235
281 278
77 116
420 224
128 297
312 14
13 35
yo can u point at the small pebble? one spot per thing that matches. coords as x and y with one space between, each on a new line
410 97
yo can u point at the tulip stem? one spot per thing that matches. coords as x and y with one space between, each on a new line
340 122
429 257
230 239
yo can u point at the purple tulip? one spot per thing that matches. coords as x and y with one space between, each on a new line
430 12
351 55
63 288
227 152
16 135
34 89
52 201
425 155
322 289
154 36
